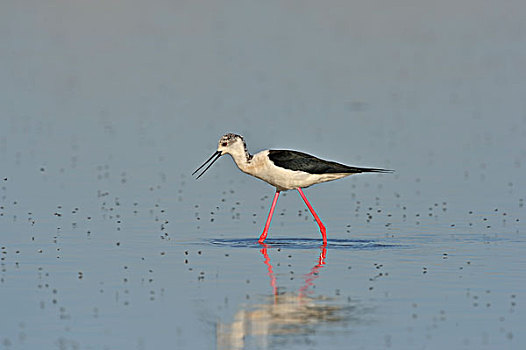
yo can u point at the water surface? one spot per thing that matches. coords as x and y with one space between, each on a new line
107 242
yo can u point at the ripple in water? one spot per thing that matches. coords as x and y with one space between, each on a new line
300 243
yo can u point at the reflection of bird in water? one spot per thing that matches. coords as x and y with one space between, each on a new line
288 314
285 170
284 313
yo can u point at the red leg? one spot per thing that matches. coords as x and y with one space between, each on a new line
269 218
322 227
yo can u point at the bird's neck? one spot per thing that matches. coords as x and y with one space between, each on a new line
242 159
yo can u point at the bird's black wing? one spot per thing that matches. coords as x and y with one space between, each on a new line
294 160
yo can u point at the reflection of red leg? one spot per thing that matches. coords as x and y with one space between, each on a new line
269 218
270 271
322 227
313 274
323 255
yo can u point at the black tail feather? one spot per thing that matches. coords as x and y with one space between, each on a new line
370 170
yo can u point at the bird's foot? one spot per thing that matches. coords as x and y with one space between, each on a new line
323 234
262 238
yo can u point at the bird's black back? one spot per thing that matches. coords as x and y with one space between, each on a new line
294 160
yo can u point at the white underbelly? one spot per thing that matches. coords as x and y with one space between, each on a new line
284 179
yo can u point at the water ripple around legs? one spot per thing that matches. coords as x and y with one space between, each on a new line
300 243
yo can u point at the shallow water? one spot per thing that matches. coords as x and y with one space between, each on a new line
107 242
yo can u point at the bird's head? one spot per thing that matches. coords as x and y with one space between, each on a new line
232 144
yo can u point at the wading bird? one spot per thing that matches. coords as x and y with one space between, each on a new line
283 169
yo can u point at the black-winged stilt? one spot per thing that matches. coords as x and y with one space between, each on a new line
283 169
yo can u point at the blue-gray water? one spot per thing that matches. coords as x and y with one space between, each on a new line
107 242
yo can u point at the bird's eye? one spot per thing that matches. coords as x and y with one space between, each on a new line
224 144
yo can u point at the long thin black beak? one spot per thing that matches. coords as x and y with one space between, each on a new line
216 155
